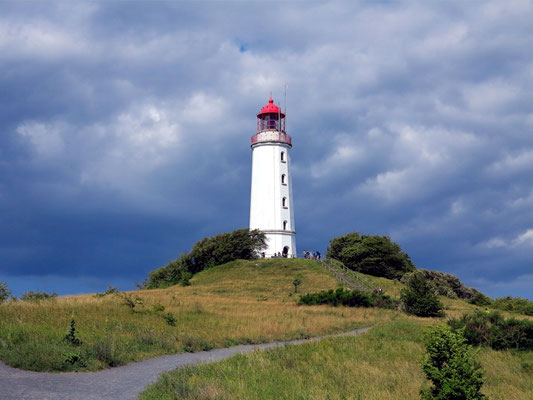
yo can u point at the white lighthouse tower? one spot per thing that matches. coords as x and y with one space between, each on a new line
271 208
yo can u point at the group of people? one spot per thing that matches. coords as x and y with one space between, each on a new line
311 255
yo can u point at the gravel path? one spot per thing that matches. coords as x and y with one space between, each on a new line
116 383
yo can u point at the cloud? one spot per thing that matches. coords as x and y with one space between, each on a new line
126 129
46 139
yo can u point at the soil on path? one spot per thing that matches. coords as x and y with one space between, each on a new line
124 382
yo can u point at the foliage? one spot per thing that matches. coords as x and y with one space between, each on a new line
451 367
4 292
130 300
109 290
350 298
70 337
240 244
296 282
419 298
370 254
492 329
514 304
170 319
479 299
37 296
445 284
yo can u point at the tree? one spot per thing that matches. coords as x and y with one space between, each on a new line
419 298
225 247
4 292
370 254
450 365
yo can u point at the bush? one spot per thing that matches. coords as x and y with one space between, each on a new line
209 252
37 296
514 304
492 329
445 284
4 292
419 298
372 255
450 365
350 298
479 299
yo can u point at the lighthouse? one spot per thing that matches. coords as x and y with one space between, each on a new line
271 207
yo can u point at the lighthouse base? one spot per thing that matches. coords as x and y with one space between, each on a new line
280 243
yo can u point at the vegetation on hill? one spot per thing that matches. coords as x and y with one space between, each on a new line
419 298
381 364
5 292
493 330
451 366
445 284
241 244
370 254
238 302
513 304
350 298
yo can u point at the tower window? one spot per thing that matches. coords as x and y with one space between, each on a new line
283 157
283 179
284 225
284 202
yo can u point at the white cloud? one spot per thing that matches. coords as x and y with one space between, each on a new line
46 139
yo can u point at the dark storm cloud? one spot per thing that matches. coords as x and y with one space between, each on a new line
125 130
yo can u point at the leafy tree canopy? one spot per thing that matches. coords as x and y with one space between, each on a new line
371 254
225 247
451 366
419 297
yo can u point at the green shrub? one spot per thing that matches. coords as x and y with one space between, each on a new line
4 292
170 319
514 304
158 307
350 298
130 300
240 244
70 337
451 366
445 284
37 296
493 330
419 298
296 282
479 299
370 254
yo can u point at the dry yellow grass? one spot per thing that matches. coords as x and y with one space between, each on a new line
240 302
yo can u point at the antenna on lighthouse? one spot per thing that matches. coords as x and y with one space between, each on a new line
285 106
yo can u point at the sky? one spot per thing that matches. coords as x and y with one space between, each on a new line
125 132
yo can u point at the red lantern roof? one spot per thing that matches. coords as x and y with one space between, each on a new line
271 108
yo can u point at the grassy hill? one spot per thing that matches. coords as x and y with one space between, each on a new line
247 302
239 302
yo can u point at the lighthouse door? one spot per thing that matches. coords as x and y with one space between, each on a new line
285 251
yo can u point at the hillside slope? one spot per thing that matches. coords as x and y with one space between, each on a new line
239 302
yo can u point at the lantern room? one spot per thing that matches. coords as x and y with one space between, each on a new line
271 118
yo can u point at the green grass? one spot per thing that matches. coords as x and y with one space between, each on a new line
381 364
239 302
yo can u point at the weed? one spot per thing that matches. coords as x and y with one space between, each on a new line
4 292
70 337
170 319
158 307
296 282
130 300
